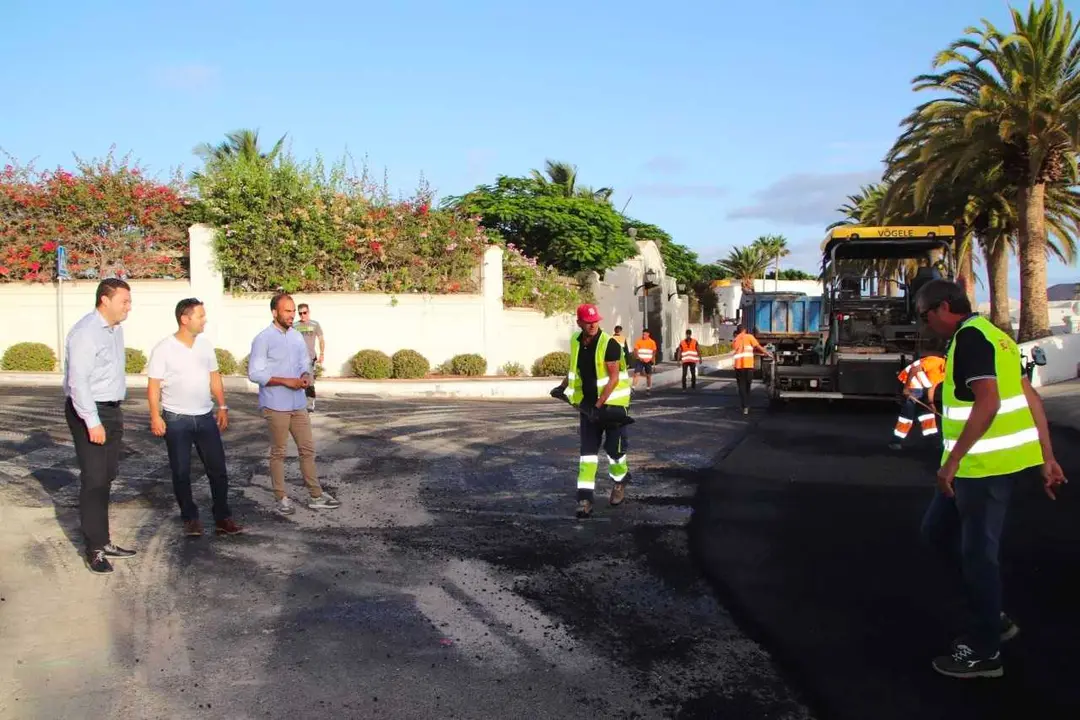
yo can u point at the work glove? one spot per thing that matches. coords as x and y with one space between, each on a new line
611 416
559 393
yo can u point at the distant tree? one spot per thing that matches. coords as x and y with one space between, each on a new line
774 247
564 176
745 264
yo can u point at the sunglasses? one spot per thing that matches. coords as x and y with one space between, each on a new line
925 314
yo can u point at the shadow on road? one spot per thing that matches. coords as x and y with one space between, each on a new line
832 579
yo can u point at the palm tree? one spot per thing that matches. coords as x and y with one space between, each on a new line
242 145
745 264
1017 96
774 247
564 176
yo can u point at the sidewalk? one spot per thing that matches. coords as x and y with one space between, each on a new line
1062 402
526 388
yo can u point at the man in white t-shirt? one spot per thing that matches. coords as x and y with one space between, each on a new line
183 373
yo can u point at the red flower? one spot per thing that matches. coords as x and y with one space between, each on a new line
4 270
35 266
424 209
376 246
49 246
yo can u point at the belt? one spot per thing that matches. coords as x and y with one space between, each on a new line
108 403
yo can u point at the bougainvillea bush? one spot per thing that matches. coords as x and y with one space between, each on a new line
527 284
112 219
297 227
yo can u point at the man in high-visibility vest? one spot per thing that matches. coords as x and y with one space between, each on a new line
993 428
645 352
745 346
689 356
600 388
920 379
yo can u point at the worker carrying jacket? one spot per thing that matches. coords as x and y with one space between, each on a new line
689 355
920 379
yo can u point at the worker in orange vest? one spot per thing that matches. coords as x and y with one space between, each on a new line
745 347
689 355
645 352
920 379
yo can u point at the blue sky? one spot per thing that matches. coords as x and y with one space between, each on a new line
722 123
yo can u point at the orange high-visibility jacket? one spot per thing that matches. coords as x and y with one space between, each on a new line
645 350
744 345
688 352
923 374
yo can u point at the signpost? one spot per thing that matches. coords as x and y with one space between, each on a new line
61 275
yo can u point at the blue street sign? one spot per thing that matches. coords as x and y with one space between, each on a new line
61 263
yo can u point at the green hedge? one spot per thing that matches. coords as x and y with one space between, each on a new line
468 365
409 364
554 364
714 350
226 363
134 361
372 365
513 369
29 357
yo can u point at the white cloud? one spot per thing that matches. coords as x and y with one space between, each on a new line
805 198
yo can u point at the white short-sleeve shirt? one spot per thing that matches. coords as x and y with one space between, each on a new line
184 373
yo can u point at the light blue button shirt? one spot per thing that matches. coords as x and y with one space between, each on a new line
278 353
95 366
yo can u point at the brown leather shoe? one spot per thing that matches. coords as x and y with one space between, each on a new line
193 528
618 493
228 527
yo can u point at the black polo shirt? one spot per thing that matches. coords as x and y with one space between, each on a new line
586 366
973 359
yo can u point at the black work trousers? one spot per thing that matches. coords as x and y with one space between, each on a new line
613 438
743 378
692 369
98 467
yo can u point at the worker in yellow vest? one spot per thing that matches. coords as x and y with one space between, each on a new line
645 351
689 356
745 346
993 427
920 380
600 388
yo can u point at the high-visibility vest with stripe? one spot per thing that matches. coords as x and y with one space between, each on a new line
934 368
743 345
923 374
620 396
645 349
688 352
1011 444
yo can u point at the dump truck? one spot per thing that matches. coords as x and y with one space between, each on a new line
868 330
788 323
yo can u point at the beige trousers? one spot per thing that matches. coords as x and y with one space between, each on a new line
298 424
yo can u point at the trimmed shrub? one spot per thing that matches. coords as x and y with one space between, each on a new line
29 357
226 363
554 364
134 361
372 365
513 369
318 370
714 350
468 365
242 368
410 364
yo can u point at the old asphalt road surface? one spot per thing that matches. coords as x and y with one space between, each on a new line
454 582
809 531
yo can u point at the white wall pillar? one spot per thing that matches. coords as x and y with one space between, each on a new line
491 284
207 282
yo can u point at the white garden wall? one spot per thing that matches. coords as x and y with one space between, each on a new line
438 326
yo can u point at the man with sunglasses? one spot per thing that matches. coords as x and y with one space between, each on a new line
311 331
993 430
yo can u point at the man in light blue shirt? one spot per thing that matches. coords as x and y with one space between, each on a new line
280 365
94 384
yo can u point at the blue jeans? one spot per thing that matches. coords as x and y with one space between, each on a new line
181 432
966 531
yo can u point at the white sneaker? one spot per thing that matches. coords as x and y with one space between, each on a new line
325 501
285 506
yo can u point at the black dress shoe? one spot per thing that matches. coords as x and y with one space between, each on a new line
98 562
114 551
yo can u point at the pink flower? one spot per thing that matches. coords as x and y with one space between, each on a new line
451 247
49 246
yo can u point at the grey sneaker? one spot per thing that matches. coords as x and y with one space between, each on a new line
285 506
584 509
325 501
